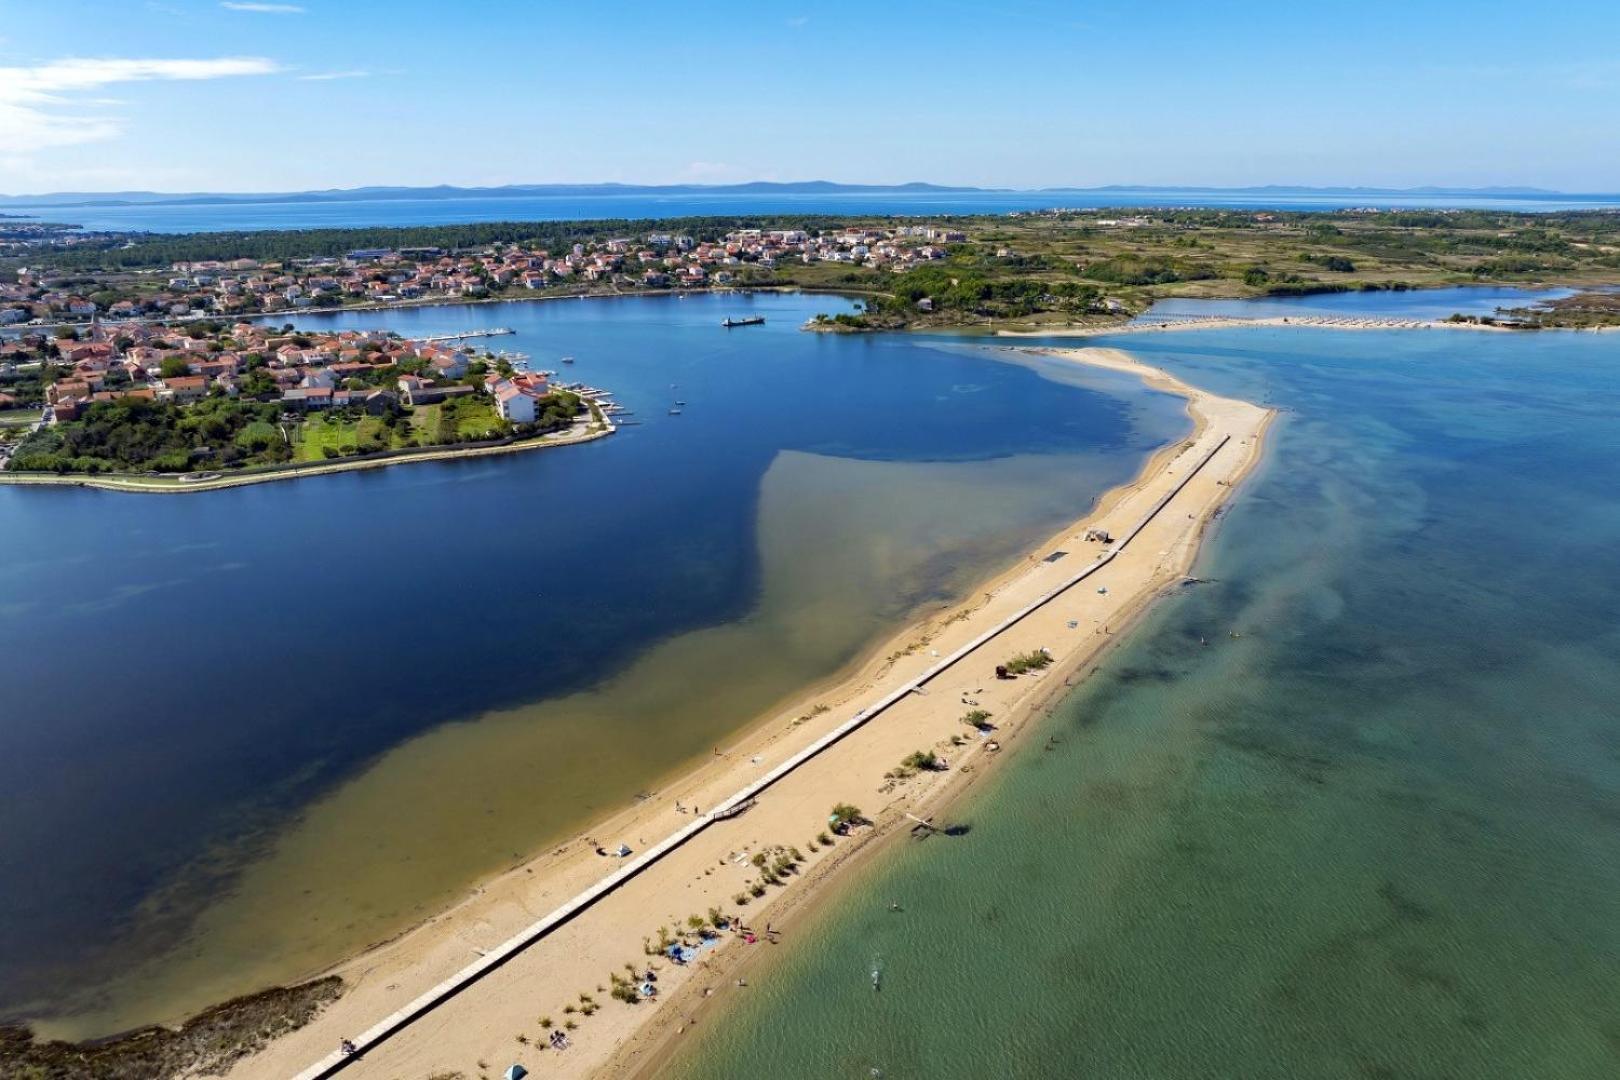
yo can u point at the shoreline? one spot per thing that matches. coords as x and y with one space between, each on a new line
1130 325
385 977
1307 322
137 486
646 1053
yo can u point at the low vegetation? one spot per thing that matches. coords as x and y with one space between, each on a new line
1034 660
979 719
207 1044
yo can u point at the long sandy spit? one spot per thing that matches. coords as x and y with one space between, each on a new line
471 990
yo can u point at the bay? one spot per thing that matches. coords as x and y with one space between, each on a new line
249 731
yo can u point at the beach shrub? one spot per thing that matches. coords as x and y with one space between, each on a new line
845 814
756 889
978 718
1030 661
921 760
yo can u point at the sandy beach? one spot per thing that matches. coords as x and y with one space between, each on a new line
1145 325
910 695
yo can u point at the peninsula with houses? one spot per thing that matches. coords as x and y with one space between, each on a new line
213 403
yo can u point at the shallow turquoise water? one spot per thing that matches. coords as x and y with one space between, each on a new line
1375 835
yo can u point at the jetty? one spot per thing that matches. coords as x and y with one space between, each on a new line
494 331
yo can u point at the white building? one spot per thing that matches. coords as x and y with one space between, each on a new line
514 405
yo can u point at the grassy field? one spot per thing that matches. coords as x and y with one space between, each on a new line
344 437
1033 270
427 425
468 418
19 417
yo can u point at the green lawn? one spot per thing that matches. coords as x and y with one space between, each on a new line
343 436
468 418
471 417
19 417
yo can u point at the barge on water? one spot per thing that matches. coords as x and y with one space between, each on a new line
750 320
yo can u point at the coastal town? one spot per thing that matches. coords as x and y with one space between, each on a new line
1051 269
383 276
137 397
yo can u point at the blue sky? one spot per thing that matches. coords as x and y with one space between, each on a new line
177 95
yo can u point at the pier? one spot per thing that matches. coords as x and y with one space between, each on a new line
494 331
742 799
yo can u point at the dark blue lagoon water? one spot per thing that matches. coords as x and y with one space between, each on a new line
1375 834
337 213
246 731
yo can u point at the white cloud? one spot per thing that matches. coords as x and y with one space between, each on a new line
262 9
328 76
40 106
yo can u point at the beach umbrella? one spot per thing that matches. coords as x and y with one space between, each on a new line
515 1072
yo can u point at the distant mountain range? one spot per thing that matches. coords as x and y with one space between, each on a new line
761 187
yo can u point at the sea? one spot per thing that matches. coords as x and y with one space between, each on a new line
247 732
211 216
1348 807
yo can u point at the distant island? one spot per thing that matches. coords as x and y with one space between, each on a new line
447 191
384 193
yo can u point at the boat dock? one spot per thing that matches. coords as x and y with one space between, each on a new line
494 331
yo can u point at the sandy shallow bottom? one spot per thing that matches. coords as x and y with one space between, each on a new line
484 1023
